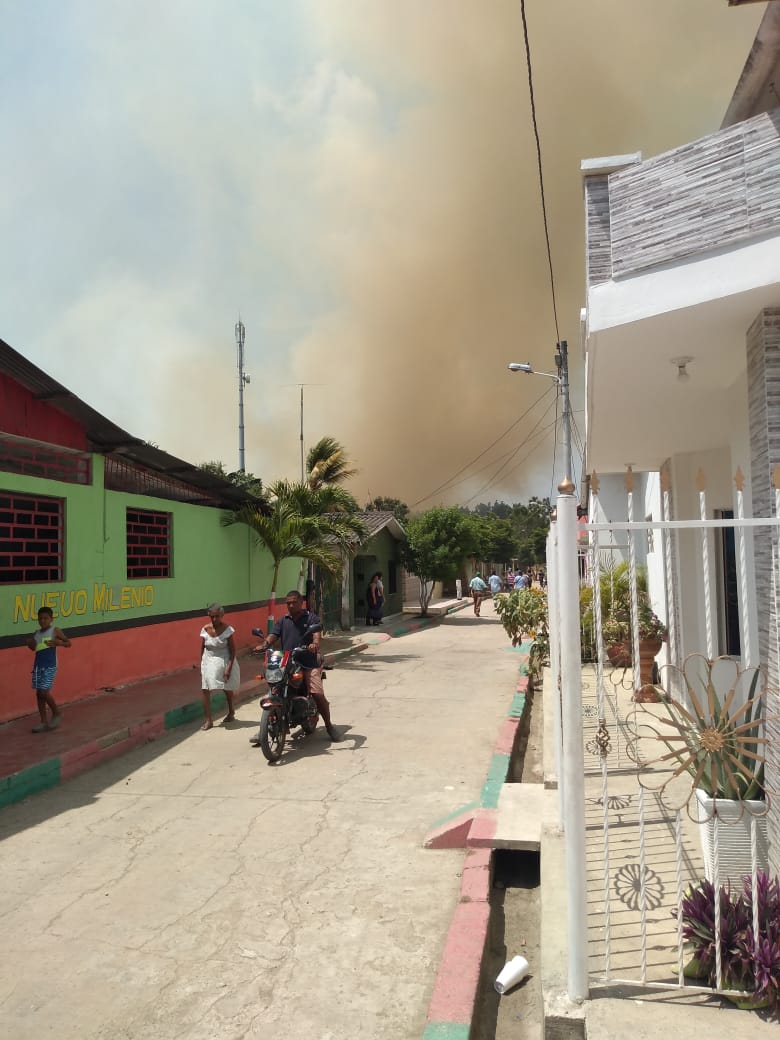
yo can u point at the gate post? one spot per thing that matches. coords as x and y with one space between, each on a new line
553 700
573 754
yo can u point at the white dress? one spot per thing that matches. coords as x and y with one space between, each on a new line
216 655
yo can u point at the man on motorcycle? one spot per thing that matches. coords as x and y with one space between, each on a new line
289 632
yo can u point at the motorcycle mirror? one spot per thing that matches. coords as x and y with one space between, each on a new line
311 630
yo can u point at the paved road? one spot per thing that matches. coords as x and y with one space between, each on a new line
190 890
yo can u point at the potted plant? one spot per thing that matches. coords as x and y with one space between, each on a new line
717 737
749 961
617 626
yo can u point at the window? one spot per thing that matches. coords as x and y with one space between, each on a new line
727 587
31 539
18 455
148 544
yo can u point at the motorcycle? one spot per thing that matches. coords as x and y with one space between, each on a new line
287 703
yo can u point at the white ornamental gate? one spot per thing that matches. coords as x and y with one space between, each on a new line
637 752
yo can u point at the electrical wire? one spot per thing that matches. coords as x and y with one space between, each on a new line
509 429
539 164
519 462
502 468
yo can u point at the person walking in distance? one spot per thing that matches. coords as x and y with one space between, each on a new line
44 643
495 583
288 632
477 587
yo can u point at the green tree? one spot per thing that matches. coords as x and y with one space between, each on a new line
437 543
380 504
315 525
248 481
327 462
530 523
495 538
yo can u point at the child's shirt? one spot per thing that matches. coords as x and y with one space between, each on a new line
45 651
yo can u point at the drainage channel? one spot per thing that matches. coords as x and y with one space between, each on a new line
514 914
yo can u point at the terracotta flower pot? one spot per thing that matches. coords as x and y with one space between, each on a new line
619 655
648 648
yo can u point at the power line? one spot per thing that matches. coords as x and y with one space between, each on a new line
501 469
539 164
519 462
509 429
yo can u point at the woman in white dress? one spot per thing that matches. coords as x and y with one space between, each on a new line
218 666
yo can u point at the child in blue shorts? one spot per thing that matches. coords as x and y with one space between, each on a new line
44 643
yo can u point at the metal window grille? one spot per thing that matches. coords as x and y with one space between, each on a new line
121 475
148 544
33 459
31 539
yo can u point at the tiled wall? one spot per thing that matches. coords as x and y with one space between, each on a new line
763 366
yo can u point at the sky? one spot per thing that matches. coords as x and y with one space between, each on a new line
358 181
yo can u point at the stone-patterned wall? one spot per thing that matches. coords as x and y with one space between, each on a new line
763 369
598 244
714 192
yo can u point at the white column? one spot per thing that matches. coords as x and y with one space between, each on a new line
573 754
554 625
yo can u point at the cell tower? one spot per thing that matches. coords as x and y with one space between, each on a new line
243 380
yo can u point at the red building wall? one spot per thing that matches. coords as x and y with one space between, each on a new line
24 416
115 659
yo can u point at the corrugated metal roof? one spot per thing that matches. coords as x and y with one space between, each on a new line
106 438
376 520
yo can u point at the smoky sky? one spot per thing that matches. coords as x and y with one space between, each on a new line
358 180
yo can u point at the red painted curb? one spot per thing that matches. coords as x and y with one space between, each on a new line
483 830
455 989
506 738
475 882
452 834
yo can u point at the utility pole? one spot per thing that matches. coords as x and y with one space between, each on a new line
242 381
303 470
562 364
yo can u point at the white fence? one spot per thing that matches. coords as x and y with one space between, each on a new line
635 753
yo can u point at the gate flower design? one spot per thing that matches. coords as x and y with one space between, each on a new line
717 736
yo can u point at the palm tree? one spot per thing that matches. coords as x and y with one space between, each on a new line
327 466
303 523
327 463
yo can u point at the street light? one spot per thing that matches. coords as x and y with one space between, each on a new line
562 379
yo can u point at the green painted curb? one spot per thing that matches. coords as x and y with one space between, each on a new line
457 812
29 781
517 707
499 767
446 1031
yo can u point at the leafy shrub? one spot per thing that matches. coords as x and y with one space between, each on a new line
523 614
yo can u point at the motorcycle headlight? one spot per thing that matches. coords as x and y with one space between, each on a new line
273 675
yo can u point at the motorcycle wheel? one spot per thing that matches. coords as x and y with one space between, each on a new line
272 734
309 725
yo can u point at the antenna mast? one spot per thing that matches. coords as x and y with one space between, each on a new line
242 381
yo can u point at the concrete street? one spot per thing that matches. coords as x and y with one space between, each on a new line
190 890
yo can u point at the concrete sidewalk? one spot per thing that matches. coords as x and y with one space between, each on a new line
105 726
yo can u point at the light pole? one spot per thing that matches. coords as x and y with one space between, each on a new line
565 638
561 377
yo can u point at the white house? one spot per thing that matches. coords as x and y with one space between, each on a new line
681 342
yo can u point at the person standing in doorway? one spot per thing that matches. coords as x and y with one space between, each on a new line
375 599
44 643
